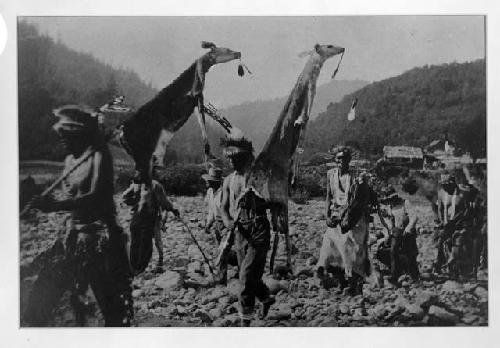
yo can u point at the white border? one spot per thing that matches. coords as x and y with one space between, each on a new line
297 337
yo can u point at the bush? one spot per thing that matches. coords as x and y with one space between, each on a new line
182 179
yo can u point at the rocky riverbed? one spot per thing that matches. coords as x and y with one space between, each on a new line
184 294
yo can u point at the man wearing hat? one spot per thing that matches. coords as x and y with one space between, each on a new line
93 250
243 207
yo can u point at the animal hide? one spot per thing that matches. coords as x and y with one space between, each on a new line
168 110
270 171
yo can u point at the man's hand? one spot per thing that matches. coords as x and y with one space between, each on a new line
176 212
332 221
42 203
230 225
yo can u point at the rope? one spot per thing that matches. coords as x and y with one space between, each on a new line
338 66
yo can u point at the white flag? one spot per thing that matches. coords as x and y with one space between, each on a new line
352 113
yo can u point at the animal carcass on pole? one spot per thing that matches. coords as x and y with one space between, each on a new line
151 128
270 172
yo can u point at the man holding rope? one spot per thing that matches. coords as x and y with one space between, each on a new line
247 211
93 251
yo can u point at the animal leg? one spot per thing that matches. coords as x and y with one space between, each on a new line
304 116
200 115
161 146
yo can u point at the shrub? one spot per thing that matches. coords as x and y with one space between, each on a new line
182 179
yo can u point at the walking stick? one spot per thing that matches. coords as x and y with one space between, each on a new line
227 242
198 245
274 250
52 187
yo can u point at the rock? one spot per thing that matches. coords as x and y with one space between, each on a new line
451 286
234 287
168 281
444 317
203 315
329 323
414 311
194 267
215 313
311 262
344 309
273 285
481 293
426 299
315 322
284 284
194 253
137 293
279 315
304 271
469 319
468 287
214 296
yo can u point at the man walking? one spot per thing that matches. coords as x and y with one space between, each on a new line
93 250
247 210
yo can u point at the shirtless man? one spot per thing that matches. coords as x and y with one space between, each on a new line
252 236
149 203
93 250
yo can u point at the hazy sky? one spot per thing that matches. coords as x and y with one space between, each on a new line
377 47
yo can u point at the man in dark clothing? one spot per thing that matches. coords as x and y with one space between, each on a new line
243 207
93 252
149 203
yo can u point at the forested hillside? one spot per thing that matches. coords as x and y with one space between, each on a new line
413 109
50 75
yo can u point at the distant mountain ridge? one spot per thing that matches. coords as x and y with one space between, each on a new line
411 109
256 119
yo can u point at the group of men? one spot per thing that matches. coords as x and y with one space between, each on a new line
94 249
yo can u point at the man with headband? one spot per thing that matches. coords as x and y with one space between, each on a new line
93 251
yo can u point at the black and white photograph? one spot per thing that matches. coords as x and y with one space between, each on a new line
305 171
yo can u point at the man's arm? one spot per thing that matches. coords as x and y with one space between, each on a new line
382 221
92 197
162 200
328 200
412 215
226 217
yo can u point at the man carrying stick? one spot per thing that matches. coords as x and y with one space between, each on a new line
93 250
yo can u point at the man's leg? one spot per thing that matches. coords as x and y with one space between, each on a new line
158 245
251 273
111 280
396 240
412 252
53 280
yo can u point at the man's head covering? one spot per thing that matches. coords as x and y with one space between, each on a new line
214 174
235 143
341 152
447 179
390 196
75 118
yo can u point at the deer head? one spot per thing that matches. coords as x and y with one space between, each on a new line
328 51
220 54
